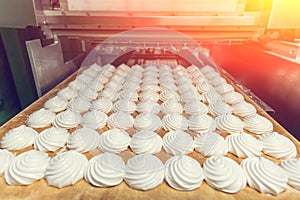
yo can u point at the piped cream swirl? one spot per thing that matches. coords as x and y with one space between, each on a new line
146 142
178 142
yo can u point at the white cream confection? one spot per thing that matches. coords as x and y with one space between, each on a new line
232 97
83 140
5 159
56 104
217 81
79 105
183 173
114 141
277 146
66 168
224 88
201 123
149 95
178 142
27 168
128 94
206 69
185 87
102 104
190 96
88 94
132 86
96 86
243 109
174 121
210 144
124 106
211 97
109 93
94 119
168 86
85 78
169 94
18 138
147 121
40 118
100 78
113 85
264 175
51 139
67 93
144 172
150 87
244 145
258 124
145 141
229 123
224 174
171 106
291 168
195 107
120 120
204 87
148 106
105 170
67 119
211 75
77 85
219 108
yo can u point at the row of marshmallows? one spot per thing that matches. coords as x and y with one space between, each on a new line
145 171
177 142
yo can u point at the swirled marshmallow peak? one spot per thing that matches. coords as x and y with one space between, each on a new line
258 124
148 106
79 105
217 81
129 95
174 121
5 159
171 106
94 119
229 123
67 93
77 85
211 75
201 123
105 170
178 142
88 94
120 120
56 104
102 104
291 168
67 119
190 96
219 108
232 97
264 175
114 141
109 93
27 168
144 172
124 106
18 138
183 173
146 141
149 95
277 146
195 107
224 88
211 97
51 139
66 168
206 69
244 145
210 144
96 86
204 87
147 121
243 109
224 174
169 94
40 118
83 140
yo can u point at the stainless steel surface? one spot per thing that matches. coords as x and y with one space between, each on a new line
152 6
17 14
47 65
